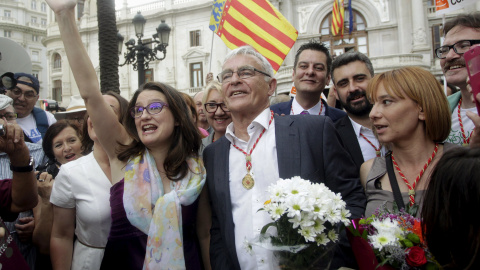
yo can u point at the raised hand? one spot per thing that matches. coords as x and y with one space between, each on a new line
13 138
61 5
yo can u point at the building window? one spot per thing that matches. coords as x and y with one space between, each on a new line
33 19
80 8
356 41
196 75
57 61
43 7
7 13
7 33
34 4
44 22
437 37
149 75
195 38
35 55
57 90
34 38
35 74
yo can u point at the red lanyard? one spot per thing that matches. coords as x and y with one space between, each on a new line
377 150
248 181
466 140
411 188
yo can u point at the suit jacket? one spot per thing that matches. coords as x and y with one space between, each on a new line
347 133
285 108
307 146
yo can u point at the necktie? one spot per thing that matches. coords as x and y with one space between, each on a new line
305 112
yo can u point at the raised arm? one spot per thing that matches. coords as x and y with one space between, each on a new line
107 127
61 242
24 186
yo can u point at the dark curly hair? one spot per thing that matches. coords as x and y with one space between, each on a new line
186 139
53 131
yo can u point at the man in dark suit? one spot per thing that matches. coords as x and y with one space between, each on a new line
351 73
258 149
311 73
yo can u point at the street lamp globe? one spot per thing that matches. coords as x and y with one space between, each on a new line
139 23
163 32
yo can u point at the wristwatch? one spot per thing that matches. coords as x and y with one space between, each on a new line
28 168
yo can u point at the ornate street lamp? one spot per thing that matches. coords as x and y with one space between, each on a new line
140 54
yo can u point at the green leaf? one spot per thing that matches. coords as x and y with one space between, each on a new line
264 229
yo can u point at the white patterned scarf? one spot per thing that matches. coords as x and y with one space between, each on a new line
157 214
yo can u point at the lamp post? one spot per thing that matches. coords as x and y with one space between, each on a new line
140 54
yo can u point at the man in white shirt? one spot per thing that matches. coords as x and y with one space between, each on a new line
311 73
351 73
461 33
258 149
34 121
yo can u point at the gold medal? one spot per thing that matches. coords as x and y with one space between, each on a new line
248 181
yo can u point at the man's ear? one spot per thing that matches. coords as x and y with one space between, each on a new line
335 92
272 85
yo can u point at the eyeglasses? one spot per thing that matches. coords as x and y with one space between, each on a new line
460 47
9 116
152 108
8 81
243 73
212 107
17 92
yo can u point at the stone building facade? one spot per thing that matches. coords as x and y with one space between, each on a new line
393 33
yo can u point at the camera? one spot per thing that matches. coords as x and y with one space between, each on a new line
50 166
2 130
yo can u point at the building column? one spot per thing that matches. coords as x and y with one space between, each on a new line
419 28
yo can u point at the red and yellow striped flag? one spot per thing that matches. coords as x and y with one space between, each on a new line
338 14
256 23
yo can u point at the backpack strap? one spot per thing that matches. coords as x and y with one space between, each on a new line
397 195
41 119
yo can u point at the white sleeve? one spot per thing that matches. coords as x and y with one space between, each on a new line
62 195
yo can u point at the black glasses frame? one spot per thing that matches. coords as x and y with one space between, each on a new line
220 75
438 52
147 108
222 106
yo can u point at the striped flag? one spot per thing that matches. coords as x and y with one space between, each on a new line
256 23
337 18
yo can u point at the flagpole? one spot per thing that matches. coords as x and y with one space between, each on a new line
211 53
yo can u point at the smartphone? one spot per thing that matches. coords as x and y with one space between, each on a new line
472 59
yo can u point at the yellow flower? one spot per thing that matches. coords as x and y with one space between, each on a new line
267 202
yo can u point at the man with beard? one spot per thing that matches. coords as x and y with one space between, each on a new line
461 33
351 73
311 74
34 121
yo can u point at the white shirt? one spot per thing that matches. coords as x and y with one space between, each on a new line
455 135
29 126
245 203
368 151
82 184
315 110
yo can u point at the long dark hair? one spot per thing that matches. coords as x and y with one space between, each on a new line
186 139
87 142
53 131
451 224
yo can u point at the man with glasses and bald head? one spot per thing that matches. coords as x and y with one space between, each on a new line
259 148
34 121
461 33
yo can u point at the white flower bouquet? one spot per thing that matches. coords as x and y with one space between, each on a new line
307 218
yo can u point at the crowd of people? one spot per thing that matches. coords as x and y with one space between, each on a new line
169 181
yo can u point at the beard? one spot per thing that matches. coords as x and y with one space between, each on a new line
360 108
